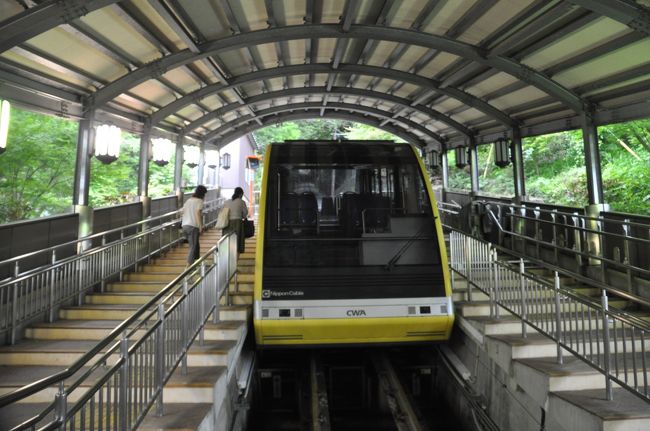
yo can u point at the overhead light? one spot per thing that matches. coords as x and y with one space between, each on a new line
192 155
108 139
501 154
225 161
212 158
434 159
5 107
161 150
461 157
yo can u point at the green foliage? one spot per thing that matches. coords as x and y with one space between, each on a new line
117 182
37 169
320 129
359 131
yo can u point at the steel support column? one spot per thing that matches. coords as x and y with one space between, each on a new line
518 166
85 140
594 186
178 171
473 166
143 173
201 167
592 159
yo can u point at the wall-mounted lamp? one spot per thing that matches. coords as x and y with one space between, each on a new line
225 161
161 150
5 107
434 159
192 155
461 157
108 139
501 153
212 158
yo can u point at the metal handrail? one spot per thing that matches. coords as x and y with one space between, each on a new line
191 298
609 340
38 292
102 235
624 294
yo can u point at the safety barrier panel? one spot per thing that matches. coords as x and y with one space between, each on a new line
38 293
127 370
610 340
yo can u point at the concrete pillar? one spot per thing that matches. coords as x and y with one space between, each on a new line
85 141
178 171
143 172
518 166
200 168
473 166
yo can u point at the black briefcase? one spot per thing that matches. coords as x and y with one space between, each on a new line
249 228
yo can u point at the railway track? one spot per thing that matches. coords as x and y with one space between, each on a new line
352 389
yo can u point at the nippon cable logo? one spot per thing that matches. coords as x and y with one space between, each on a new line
266 294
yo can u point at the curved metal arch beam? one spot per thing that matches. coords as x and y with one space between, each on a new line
623 11
348 107
238 133
358 69
43 17
313 31
337 91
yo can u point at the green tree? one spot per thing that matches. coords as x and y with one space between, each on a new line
359 131
116 183
37 169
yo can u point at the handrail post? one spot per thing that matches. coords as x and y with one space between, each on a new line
522 285
185 325
558 321
468 267
14 313
61 406
102 269
497 292
160 359
121 257
606 348
204 291
16 269
217 284
124 383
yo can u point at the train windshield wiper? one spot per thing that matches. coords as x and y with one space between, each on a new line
397 256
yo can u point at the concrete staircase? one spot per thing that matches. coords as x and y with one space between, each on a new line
51 347
524 386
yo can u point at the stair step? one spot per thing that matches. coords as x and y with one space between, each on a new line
72 330
590 409
482 308
119 298
179 417
99 312
136 286
141 276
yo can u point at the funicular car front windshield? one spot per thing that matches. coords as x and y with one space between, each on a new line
348 204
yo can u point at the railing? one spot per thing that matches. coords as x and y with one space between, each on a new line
38 293
578 238
105 237
611 341
124 374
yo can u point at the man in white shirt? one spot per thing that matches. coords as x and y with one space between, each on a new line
193 222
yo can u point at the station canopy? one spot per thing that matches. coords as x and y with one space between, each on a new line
434 72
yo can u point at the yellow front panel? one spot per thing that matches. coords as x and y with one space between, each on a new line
352 331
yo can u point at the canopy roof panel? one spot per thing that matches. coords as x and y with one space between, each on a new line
440 72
